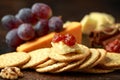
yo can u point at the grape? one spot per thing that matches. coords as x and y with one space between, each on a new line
41 28
10 22
41 10
26 31
12 38
55 24
26 16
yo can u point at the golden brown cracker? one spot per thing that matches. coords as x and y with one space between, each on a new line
13 59
52 67
47 63
90 60
101 58
111 61
37 57
69 66
97 70
82 53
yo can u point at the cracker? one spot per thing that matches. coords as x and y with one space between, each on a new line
52 68
101 58
82 53
111 61
97 70
13 59
69 66
37 57
90 60
47 63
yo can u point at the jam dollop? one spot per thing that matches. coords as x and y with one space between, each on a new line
68 39
113 46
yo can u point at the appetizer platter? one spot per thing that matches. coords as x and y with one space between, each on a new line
43 47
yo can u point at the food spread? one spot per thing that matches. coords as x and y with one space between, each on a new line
73 28
55 59
45 43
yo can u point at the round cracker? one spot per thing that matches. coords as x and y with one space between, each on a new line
111 61
97 70
13 59
37 57
47 63
101 58
52 67
82 53
90 60
69 66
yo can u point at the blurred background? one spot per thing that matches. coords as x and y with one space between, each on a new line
72 10
69 9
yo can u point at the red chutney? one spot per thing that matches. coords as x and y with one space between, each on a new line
68 39
113 46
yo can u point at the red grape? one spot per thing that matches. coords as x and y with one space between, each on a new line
41 10
10 22
21 25
26 31
26 16
12 38
55 24
41 28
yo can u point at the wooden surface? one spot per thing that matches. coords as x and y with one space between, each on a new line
31 75
70 10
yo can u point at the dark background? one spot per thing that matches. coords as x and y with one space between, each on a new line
72 10
69 9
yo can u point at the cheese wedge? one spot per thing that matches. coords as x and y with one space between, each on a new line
73 28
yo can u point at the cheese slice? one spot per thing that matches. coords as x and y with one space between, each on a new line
73 28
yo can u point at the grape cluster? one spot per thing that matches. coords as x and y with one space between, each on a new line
30 23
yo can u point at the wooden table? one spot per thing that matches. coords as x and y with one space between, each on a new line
31 75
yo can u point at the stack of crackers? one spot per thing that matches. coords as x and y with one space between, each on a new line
90 60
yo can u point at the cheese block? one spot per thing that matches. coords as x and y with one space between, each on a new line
73 28
41 42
